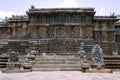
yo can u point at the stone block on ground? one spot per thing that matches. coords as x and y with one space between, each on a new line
99 71
16 71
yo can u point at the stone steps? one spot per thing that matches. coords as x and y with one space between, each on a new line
56 63
56 59
50 62
112 67
112 62
56 69
3 61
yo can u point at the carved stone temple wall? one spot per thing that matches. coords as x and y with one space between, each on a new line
60 30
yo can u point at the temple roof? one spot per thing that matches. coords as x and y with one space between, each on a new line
105 18
19 18
4 24
53 10
117 23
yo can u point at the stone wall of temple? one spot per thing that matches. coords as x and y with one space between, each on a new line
19 29
5 33
62 28
5 30
117 27
105 33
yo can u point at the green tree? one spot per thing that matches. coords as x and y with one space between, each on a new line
112 14
6 19
118 16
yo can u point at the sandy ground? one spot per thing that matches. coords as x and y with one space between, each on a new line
60 75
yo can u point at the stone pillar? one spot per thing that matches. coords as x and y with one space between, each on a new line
81 32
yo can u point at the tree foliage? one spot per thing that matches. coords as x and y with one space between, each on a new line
112 14
6 19
118 16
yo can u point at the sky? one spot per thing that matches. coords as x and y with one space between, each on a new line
19 7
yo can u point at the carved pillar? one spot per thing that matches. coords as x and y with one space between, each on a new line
13 29
72 31
81 32
67 32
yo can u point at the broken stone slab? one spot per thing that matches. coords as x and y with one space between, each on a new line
98 71
16 71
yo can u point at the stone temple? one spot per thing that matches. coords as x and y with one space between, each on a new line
60 31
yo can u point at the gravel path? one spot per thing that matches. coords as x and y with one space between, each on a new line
60 75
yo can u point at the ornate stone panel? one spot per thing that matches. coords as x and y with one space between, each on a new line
51 32
5 33
76 33
42 32
19 32
89 32
33 32
96 25
104 36
97 36
104 26
111 37
60 32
